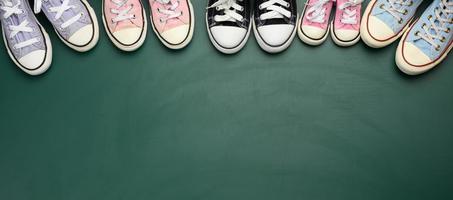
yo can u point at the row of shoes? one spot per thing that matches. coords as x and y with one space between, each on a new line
425 41
26 41
275 23
75 23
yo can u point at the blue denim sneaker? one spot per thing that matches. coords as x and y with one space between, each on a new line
384 21
26 41
428 41
74 21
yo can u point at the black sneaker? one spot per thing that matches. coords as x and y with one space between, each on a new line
228 24
275 24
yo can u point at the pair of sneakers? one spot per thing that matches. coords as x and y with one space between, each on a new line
425 42
314 25
27 42
126 24
229 23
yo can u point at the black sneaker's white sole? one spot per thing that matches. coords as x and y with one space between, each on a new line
226 50
274 49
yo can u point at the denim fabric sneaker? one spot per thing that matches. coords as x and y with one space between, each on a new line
74 21
428 41
384 21
26 41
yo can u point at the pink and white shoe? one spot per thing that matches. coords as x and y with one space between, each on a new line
314 23
125 23
173 22
345 28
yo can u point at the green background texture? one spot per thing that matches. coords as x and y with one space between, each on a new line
325 123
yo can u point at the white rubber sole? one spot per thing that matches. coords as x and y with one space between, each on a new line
47 61
189 37
367 39
341 43
227 50
95 39
272 49
120 46
413 70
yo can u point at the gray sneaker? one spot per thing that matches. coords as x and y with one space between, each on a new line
74 21
26 41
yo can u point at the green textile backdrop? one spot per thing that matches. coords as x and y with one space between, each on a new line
310 123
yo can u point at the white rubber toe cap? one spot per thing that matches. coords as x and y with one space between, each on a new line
276 35
315 33
228 36
378 29
346 35
176 35
83 36
413 55
33 60
128 36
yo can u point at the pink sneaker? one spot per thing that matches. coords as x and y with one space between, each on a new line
125 23
314 23
346 25
173 22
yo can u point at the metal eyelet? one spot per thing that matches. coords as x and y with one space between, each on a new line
442 39
405 12
437 48
400 21
381 6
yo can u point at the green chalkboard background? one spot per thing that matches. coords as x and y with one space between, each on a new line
310 123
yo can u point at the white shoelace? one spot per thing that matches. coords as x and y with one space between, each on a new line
441 16
121 15
396 8
349 16
59 10
169 13
317 13
229 8
273 10
10 10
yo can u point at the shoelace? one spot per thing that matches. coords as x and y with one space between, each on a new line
274 10
317 12
349 12
10 10
121 15
170 12
396 8
433 31
59 10
229 8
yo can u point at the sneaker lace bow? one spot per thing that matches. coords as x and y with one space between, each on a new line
10 9
59 10
121 14
317 12
432 31
349 12
169 10
396 8
275 9
229 8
